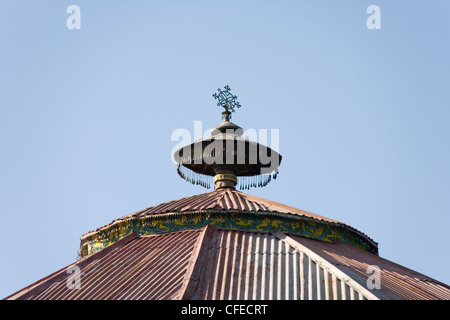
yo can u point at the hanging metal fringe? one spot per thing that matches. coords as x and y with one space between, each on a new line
245 183
195 178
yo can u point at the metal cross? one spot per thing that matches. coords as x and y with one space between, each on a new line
227 101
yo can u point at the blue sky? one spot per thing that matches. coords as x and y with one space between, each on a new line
86 116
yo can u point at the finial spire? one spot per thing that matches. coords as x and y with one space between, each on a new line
226 159
227 101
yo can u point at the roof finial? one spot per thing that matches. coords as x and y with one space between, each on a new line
227 101
227 160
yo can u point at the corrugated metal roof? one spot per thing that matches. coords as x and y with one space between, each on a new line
151 267
211 263
260 266
396 281
247 265
225 199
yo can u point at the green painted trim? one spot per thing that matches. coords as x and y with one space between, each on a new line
240 221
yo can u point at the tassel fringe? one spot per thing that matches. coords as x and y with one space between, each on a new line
198 179
243 183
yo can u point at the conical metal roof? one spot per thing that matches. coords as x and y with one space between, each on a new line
219 264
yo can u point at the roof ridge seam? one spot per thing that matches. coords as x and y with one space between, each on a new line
324 263
217 203
195 264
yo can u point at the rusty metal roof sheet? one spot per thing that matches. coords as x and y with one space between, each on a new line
248 265
396 281
224 199
211 263
150 267
261 266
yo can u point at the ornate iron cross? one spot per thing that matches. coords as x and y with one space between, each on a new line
227 101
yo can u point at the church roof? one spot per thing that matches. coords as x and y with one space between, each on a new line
212 263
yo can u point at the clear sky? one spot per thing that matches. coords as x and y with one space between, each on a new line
86 116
